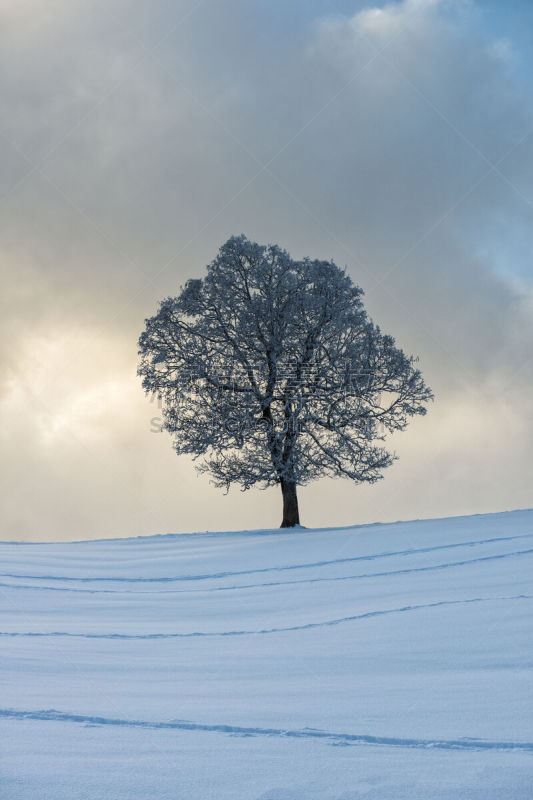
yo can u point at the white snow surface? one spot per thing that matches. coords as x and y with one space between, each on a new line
380 662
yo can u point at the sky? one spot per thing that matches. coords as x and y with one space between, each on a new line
394 138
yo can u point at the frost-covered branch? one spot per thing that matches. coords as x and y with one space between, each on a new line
270 371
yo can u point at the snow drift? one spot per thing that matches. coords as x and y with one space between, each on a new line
380 662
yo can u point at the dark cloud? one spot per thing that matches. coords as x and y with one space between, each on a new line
137 138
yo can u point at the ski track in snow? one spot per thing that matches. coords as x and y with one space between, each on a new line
267 692
263 631
283 568
406 571
465 743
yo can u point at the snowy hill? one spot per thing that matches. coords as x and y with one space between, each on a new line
384 662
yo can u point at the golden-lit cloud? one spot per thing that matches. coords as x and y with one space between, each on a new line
393 138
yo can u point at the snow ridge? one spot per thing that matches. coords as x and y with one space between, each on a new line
465 743
263 631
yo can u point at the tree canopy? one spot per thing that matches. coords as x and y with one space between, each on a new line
271 372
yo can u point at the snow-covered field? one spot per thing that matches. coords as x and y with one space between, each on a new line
384 662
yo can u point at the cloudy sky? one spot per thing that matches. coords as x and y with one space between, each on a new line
395 138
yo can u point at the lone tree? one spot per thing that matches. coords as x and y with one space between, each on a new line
271 372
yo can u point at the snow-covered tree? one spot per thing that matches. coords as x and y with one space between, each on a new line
270 371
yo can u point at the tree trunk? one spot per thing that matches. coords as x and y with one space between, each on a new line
290 504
